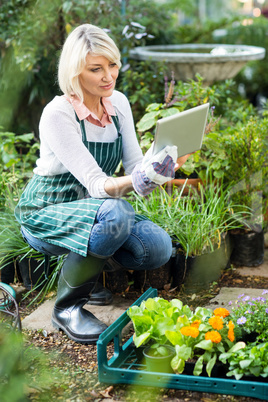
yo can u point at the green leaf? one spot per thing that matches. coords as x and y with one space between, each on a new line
176 303
184 352
140 340
147 121
182 321
177 364
169 112
211 364
198 366
245 363
206 345
255 370
174 337
162 324
237 346
153 107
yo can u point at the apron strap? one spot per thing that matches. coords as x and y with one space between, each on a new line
82 125
116 123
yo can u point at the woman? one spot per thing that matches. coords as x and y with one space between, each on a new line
72 204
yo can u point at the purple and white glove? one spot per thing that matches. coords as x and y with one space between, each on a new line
154 170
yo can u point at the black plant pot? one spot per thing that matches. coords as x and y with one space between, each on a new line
155 278
248 249
32 273
218 371
7 273
197 272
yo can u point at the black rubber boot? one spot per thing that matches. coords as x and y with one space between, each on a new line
77 280
100 296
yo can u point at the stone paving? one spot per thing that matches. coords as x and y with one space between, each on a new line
41 317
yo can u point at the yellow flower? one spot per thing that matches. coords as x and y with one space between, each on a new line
190 331
231 335
222 312
213 336
216 322
196 323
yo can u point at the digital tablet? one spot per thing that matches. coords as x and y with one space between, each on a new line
185 129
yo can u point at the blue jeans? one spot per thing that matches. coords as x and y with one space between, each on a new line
139 246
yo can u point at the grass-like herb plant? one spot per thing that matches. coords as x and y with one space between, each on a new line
197 221
14 249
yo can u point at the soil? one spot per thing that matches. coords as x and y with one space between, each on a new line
78 362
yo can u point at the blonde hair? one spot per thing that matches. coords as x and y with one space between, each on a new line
82 40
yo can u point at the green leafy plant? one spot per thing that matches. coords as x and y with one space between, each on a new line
246 360
17 150
251 315
246 150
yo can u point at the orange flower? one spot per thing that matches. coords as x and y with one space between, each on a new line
231 325
213 336
222 312
216 322
231 335
196 323
190 331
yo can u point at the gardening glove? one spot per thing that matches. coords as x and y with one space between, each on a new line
154 170
160 167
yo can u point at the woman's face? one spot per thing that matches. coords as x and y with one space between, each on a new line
98 77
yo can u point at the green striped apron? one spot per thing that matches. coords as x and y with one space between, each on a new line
58 209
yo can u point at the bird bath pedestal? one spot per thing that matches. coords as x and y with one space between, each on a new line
213 62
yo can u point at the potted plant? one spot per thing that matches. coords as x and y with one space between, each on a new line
251 316
246 147
158 358
199 225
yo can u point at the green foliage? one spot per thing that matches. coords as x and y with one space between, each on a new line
143 83
23 369
226 107
248 360
245 148
201 33
17 158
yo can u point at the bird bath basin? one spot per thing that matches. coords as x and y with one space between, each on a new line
213 62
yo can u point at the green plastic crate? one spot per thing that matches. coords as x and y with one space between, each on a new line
123 367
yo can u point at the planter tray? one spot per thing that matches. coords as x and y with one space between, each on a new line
124 368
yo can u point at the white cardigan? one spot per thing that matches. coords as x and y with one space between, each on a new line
62 149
